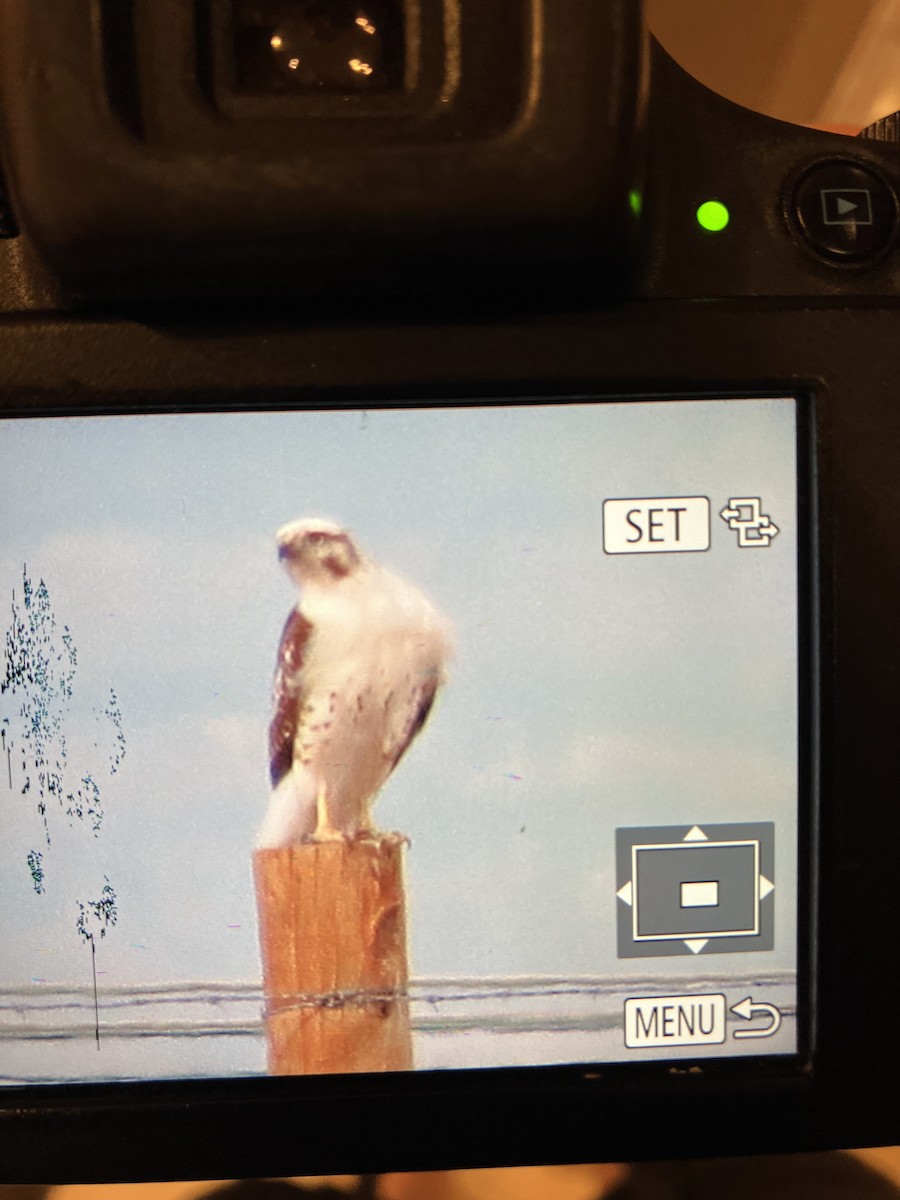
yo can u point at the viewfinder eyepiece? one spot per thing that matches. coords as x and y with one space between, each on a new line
291 46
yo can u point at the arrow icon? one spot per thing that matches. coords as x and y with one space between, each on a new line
695 834
839 209
745 516
748 1009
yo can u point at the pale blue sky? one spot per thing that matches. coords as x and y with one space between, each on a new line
588 691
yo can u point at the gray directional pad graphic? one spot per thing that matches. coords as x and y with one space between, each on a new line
695 889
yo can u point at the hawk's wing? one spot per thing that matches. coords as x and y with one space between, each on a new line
288 694
413 717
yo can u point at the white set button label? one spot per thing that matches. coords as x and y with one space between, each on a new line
656 525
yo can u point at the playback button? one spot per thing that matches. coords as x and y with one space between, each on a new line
845 211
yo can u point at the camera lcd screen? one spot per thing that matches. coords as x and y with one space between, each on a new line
556 641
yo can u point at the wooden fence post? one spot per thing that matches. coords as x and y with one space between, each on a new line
332 927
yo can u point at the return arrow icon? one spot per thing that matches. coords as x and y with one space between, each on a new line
748 1009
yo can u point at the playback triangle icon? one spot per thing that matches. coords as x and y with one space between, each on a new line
845 206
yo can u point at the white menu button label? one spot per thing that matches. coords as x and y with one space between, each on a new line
674 1021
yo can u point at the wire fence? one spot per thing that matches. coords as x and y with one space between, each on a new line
456 1022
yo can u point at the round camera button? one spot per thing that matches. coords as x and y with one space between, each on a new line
845 211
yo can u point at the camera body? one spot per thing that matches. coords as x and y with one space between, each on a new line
400 182
511 213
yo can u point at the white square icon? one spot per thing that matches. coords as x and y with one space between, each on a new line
702 894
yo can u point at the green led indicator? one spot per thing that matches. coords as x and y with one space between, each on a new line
635 202
713 216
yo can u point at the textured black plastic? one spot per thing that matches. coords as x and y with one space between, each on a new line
7 224
703 147
886 129
137 172
847 358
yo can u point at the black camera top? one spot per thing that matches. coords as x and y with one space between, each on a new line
284 148
274 148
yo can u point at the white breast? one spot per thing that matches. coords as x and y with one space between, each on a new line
377 649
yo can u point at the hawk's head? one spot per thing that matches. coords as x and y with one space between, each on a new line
316 550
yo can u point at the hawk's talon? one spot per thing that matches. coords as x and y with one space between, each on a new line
321 836
324 830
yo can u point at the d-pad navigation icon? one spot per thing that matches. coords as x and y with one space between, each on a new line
698 889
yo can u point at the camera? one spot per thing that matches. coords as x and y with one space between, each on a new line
526 412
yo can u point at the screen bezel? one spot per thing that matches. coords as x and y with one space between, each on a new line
206 1099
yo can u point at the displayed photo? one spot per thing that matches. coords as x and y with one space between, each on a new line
412 738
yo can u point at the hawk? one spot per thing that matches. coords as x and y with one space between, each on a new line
361 659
